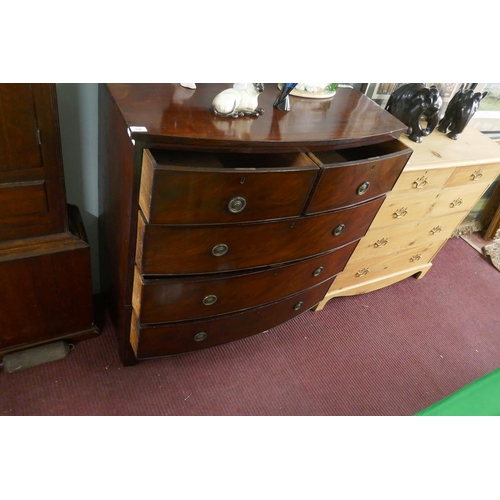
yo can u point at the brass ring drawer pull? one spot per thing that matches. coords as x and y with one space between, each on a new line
200 336
363 188
456 203
209 300
298 305
318 271
398 214
237 205
420 182
436 230
338 230
415 257
220 250
362 272
477 175
381 243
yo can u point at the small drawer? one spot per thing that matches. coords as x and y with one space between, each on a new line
174 299
399 209
176 338
417 182
475 174
352 176
185 187
357 272
459 199
212 249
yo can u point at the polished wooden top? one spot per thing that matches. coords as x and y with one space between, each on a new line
180 117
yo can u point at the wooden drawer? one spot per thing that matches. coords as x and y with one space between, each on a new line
174 299
458 199
416 182
182 187
357 272
175 338
401 208
474 174
211 249
385 240
353 176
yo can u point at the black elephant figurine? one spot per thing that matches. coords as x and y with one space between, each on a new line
460 110
412 102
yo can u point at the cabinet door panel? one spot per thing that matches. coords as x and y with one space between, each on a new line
19 148
32 193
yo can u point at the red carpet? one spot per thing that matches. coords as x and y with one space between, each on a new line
390 352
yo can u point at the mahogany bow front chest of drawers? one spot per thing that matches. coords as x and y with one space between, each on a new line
214 229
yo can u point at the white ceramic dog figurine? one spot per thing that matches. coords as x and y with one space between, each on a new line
240 100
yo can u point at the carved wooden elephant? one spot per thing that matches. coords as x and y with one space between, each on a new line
460 110
412 102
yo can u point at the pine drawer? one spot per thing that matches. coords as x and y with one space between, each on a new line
357 272
386 240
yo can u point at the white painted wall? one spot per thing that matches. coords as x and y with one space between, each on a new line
78 116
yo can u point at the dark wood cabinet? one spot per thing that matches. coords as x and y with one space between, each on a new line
45 274
214 229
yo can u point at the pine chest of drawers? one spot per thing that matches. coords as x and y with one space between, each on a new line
214 229
439 186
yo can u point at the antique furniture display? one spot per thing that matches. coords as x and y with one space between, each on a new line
45 273
440 184
213 229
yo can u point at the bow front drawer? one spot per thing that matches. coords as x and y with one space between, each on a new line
211 249
176 299
351 176
186 187
174 338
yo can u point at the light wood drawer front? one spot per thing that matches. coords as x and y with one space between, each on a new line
164 300
474 174
175 338
357 272
400 209
354 176
416 182
181 187
385 240
452 200
211 249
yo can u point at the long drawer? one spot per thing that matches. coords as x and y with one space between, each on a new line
385 240
185 187
359 271
175 338
177 299
171 250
